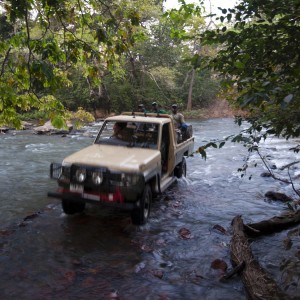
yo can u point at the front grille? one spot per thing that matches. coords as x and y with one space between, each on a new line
55 170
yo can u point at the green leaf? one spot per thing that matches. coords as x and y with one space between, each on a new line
221 144
239 64
135 18
101 35
202 151
58 122
237 138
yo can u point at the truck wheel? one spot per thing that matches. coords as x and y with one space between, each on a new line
180 169
140 215
71 207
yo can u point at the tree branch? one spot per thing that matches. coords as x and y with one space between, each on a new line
4 61
270 171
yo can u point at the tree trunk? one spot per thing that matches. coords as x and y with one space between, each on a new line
258 283
190 95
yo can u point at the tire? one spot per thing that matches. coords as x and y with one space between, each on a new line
180 169
140 215
71 207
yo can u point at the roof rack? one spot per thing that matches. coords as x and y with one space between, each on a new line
145 114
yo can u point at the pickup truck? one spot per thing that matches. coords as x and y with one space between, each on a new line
127 169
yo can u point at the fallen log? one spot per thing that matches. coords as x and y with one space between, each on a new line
258 283
272 225
278 196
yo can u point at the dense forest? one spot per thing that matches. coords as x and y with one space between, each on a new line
110 56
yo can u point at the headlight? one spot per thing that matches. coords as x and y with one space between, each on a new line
97 177
80 175
129 179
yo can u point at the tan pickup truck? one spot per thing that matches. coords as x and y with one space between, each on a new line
134 157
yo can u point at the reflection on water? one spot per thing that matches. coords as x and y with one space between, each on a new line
99 254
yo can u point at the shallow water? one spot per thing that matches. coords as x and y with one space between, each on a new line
99 254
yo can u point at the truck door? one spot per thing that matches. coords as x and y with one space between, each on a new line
164 148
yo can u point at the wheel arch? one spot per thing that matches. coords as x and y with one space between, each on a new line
154 183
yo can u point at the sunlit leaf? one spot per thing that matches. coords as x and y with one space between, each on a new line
58 122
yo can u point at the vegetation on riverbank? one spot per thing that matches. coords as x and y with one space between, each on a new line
217 109
77 118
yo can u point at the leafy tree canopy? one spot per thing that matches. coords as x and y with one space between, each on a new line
107 55
258 59
49 38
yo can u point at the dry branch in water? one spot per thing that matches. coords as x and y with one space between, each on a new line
272 225
258 283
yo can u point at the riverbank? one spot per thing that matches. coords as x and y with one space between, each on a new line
218 109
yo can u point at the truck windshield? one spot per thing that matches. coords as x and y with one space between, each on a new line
128 134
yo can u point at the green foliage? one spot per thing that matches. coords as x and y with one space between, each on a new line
205 88
182 18
59 55
80 117
6 29
77 94
259 57
58 122
217 144
88 35
31 115
165 76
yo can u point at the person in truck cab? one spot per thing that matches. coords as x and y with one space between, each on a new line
119 130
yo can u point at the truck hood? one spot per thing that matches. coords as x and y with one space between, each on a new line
115 158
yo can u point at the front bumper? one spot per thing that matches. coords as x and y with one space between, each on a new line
109 199
117 189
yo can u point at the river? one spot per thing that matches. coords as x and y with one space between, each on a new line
100 255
